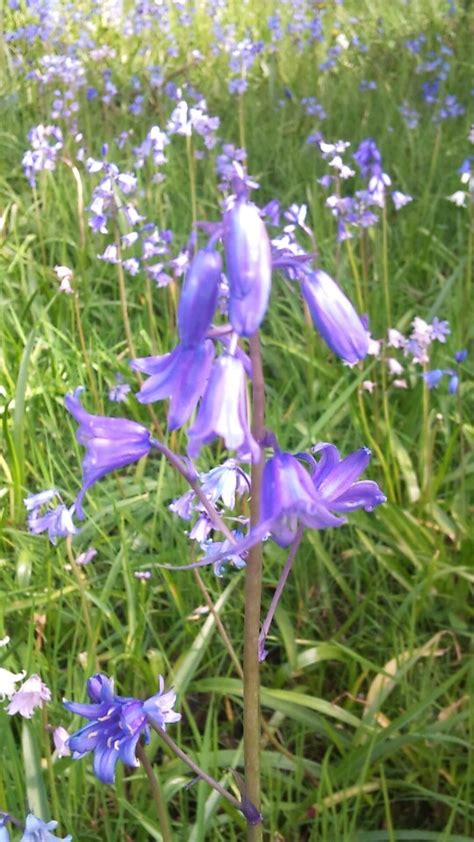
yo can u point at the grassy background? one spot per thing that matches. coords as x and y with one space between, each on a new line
366 689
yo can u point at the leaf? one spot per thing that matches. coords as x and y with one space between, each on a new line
35 786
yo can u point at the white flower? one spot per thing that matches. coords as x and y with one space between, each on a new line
7 682
394 366
459 198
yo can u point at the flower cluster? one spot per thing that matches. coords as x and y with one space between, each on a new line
32 694
116 724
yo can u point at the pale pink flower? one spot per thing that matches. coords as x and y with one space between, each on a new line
31 695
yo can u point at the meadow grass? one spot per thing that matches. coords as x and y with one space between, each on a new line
366 693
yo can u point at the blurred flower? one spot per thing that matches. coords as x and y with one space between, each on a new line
60 738
31 695
8 680
334 317
64 276
432 378
86 557
36 830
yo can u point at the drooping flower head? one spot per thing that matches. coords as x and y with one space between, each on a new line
110 443
334 317
223 411
116 724
293 496
249 266
180 375
32 694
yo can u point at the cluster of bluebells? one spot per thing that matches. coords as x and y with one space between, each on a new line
116 724
206 375
404 356
46 143
358 210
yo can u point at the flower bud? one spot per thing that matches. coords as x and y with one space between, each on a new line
249 267
199 297
334 317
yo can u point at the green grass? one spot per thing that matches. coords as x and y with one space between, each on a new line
366 691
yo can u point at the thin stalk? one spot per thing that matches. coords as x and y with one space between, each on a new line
123 297
84 604
425 444
192 178
386 283
176 462
278 592
253 596
157 793
241 121
195 768
85 353
219 624
361 305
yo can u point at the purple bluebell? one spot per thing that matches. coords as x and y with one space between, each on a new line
223 411
461 356
249 266
199 297
117 723
440 329
335 317
180 375
453 384
36 830
337 480
433 377
293 496
110 443
57 522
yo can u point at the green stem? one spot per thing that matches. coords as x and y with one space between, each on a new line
85 353
123 298
241 121
157 793
192 177
253 594
386 284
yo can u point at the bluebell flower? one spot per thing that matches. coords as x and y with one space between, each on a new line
58 522
453 384
335 317
110 443
293 497
433 377
180 375
117 723
199 297
461 356
223 411
249 266
37 830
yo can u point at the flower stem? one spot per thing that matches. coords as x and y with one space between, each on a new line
123 297
158 798
194 766
278 592
253 594
177 463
